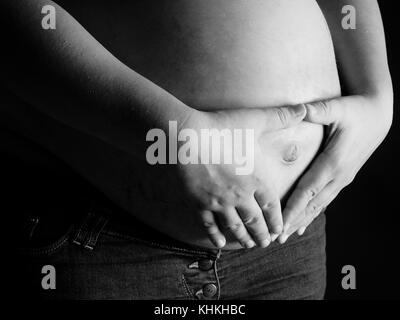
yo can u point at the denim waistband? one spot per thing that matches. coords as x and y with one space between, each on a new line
102 216
122 224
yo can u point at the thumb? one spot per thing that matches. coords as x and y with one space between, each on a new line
284 117
322 112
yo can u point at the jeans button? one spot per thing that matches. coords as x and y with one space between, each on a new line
209 290
205 264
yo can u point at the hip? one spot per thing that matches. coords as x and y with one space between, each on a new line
112 256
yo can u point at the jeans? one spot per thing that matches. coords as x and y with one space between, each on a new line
110 255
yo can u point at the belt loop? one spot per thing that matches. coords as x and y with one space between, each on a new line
90 228
93 236
82 230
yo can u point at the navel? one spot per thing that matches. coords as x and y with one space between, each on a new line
291 153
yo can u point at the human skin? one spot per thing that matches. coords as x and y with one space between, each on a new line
251 56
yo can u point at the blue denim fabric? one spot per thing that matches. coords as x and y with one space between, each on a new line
119 258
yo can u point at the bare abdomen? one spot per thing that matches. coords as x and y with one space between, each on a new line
211 54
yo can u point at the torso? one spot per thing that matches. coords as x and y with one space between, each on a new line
213 54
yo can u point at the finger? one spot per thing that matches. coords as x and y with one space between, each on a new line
301 231
313 181
230 220
270 205
298 223
254 222
294 226
324 112
301 225
316 206
323 199
308 220
284 117
313 209
213 231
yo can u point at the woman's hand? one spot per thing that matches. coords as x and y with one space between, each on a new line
357 126
244 205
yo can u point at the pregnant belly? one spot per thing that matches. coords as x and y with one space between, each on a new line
213 55
219 54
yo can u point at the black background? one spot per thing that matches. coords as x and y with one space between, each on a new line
362 223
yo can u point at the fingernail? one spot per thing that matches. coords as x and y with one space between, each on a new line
301 231
250 244
220 243
299 110
274 236
265 243
283 238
